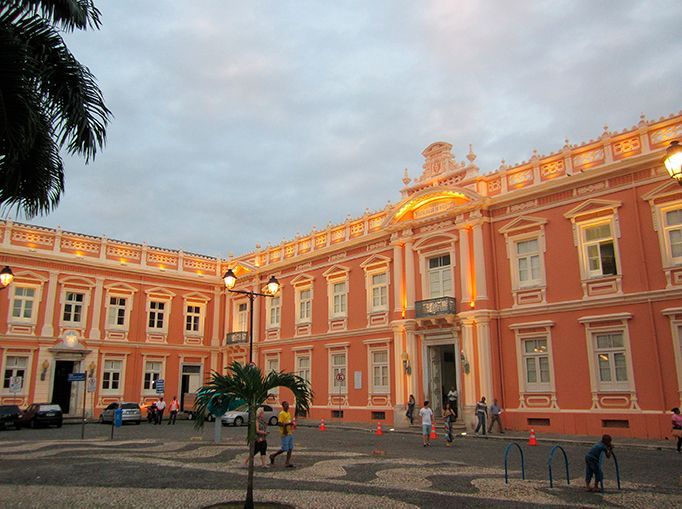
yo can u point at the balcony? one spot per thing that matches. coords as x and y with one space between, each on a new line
233 338
432 311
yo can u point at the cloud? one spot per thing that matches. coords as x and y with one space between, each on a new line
239 123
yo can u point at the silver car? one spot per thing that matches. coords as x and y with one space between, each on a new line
240 416
131 412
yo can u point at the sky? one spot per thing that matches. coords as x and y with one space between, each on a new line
244 123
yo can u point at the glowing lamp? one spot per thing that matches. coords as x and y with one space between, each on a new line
6 277
230 279
673 161
273 285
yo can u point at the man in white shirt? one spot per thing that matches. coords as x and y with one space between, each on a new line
427 421
160 407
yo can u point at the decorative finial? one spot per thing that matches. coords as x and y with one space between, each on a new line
406 178
257 246
471 156
535 154
503 164
606 128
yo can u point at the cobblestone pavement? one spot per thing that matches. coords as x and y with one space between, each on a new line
178 466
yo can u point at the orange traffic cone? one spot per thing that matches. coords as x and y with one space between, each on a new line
322 427
531 439
433 435
379 431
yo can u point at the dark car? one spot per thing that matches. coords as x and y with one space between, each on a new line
42 414
10 415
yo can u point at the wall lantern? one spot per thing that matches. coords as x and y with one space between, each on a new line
406 363
45 366
673 161
6 277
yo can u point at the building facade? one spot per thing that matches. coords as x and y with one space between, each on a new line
554 286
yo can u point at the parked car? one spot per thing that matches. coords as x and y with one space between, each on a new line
131 412
42 414
10 415
240 416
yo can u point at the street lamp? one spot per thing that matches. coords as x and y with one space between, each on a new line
273 287
6 277
673 161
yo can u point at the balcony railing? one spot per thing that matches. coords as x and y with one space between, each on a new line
435 307
236 337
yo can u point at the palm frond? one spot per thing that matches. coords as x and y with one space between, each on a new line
68 14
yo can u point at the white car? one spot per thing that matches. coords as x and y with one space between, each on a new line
240 416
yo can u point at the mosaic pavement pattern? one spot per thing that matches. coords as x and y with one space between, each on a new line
143 473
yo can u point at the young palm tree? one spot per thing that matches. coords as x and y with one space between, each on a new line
247 383
48 100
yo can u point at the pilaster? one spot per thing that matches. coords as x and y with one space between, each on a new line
51 300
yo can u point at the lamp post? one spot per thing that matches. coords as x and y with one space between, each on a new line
673 161
273 287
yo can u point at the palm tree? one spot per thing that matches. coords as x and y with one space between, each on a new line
247 383
48 101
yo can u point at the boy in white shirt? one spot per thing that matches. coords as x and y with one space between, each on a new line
427 421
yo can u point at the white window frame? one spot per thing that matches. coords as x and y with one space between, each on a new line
273 310
198 317
338 387
668 259
441 269
152 307
385 368
608 354
586 244
371 287
16 370
604 324
272 363
301 371
83 305
531 331
35 302
117 308
148 384
538 385
240 323
515 258
108 368
304 304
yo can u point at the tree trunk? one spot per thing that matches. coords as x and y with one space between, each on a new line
251 434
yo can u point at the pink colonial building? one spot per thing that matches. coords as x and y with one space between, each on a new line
554 286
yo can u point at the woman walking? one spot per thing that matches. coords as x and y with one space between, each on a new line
449 416
481 414
410 409
261 445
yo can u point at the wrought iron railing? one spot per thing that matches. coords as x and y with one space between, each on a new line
237 337
435 307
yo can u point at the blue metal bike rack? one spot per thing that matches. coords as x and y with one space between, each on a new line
601 466
549 464
506 455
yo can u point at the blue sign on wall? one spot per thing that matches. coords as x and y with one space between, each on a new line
76 377
160 383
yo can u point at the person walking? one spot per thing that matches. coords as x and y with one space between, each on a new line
411 403
173 408
592 466
160 407
481 414
453 397
495 416
449 416
677 427
285 423
261 445
427 421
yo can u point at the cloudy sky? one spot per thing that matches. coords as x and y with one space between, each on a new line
239 123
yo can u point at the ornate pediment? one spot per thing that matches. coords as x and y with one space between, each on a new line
430 203
523 223
592 207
